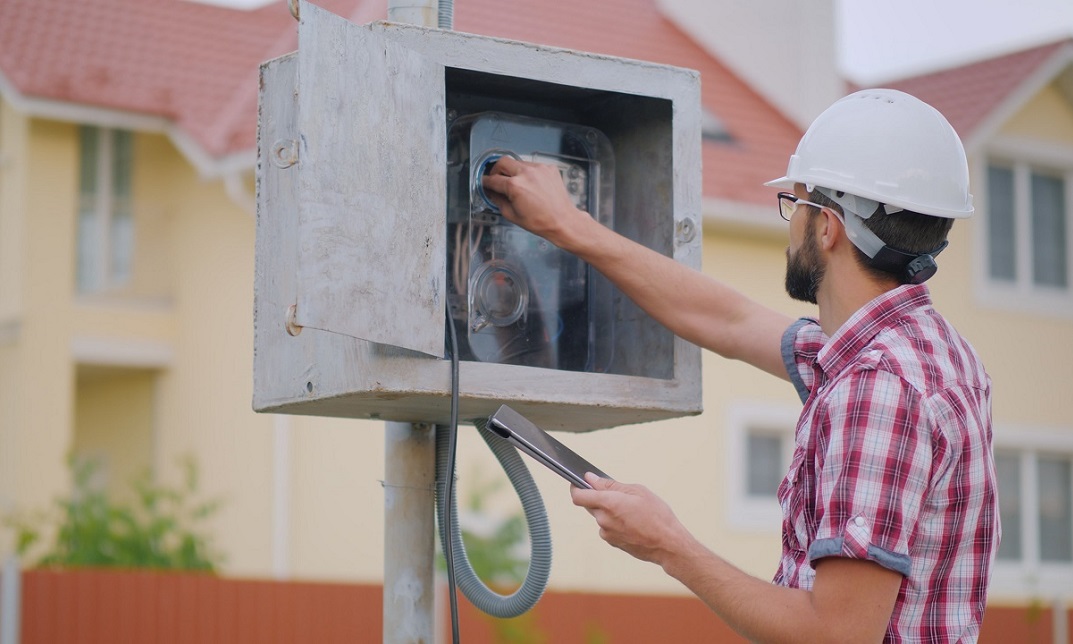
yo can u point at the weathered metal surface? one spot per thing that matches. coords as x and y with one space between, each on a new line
371 186
331 373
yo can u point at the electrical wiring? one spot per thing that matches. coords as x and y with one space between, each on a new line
449 478
460 573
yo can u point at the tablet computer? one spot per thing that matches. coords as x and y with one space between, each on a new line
537 443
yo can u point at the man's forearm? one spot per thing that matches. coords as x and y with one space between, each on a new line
692 305
756 610
763 612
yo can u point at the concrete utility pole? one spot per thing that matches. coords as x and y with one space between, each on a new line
424 13
409 533
409 482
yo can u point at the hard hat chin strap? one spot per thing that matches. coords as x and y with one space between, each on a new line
915 267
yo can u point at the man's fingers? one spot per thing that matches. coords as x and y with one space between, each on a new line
591 500
599 483
506 165
495 182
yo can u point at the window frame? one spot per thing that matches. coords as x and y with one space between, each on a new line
104 277
746 512
1022 294
1030 576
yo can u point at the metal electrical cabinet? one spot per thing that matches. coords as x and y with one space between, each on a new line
373 232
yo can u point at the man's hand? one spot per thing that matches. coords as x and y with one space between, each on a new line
633 519
532 195
851 600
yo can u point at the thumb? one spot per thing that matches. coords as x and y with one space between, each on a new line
599 483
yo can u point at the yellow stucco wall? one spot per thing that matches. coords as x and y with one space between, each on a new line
113 423
12 150
12 153
1046 117
40 429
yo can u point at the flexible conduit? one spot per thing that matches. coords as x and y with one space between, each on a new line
536 517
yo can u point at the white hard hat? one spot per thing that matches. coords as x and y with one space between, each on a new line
885 146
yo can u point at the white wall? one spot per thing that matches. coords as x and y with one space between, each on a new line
784 49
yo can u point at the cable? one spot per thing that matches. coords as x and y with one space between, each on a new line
460 573
449 477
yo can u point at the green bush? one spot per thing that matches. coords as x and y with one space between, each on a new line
158 528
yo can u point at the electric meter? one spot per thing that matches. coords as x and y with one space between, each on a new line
514 297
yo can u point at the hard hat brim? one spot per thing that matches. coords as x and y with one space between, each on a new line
785 182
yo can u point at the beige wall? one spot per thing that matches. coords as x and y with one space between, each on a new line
1046 118
12 136
12 171
42 423
113 424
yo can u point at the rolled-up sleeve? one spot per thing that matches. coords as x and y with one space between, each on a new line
801 342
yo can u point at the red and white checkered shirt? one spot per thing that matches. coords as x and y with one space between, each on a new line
893 462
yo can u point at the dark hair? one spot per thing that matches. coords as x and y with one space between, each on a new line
904 230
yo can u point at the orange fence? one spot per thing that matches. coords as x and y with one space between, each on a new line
100 606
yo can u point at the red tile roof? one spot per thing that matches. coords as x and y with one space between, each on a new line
197 65
968 94
180 60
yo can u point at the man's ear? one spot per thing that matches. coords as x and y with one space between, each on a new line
828 229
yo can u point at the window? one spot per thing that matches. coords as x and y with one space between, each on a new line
105 218
1036 508
1028 237
765 462
761 446
1036 501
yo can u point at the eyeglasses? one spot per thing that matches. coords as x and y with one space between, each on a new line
788 203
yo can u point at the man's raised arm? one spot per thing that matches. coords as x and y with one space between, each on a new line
692 305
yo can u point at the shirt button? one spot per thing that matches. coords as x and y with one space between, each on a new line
859 521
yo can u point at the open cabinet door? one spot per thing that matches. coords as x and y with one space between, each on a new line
371 187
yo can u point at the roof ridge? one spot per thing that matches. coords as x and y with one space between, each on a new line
978 59
969 95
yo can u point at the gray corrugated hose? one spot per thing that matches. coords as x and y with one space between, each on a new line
536 517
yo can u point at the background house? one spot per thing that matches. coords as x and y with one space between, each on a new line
127 134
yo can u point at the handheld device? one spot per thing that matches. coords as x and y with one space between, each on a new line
537 443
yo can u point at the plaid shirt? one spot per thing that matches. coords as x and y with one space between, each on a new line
893 462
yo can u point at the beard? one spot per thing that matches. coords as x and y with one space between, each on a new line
804 270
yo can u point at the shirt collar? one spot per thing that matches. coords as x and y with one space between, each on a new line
859 330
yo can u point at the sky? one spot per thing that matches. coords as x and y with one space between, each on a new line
884 39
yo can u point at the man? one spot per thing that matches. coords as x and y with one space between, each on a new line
890 520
